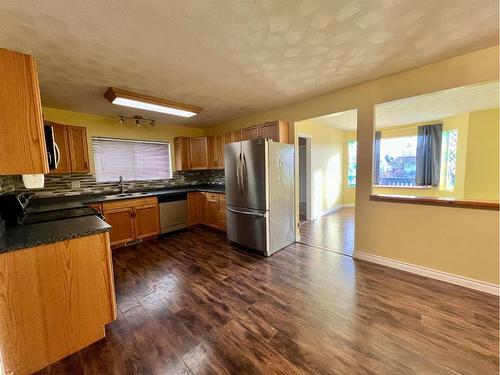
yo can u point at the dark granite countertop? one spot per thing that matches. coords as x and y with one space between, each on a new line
25 236
75 201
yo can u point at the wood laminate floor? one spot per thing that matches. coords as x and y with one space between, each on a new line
194 303
334 231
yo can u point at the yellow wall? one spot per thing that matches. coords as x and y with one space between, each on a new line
454 240
326 165
348 192
107 126
482 172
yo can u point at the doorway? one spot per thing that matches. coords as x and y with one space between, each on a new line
327 153
304 178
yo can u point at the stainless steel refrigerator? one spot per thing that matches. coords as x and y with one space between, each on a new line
260 194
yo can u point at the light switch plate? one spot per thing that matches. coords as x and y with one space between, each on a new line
75 184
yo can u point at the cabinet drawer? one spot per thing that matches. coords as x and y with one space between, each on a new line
122 203
222 198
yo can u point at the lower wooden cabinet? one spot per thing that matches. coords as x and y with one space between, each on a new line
146 222
132 219
207 209
212 210
122 221
56 300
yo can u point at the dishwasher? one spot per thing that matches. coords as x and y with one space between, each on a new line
173 212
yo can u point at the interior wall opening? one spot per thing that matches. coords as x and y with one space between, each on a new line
326 162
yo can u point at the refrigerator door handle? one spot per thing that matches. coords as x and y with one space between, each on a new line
238 173
246 213
243 173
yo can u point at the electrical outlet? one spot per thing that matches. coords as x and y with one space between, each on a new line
75 184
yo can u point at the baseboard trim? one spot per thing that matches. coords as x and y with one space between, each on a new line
430 273
349 205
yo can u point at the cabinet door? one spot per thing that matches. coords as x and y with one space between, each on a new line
251 133
22 140
215 151
237 135
228 137
198 152
62 142
122 221
222 212
212 212
181 149
146 221
78 149
275 130
212 152
202 201
193 200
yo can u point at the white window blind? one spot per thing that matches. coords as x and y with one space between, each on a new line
133 160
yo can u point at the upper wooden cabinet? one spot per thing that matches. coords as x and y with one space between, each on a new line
251 133
237 135
215 151
78 149
71 143
198 153
275 130
22 143
181 149
208 152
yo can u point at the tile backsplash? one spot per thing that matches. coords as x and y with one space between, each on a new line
78 184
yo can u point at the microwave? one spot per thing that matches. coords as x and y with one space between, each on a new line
53 154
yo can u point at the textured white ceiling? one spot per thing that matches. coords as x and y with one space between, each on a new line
437 105
233 57
434 106
346 120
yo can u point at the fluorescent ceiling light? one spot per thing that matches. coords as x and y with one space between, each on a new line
148 103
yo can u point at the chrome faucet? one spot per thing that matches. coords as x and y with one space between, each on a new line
121 185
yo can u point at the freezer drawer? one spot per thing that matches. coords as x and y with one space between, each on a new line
248 228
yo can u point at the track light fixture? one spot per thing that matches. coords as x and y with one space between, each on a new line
139 120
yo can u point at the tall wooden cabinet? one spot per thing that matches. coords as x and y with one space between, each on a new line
22 143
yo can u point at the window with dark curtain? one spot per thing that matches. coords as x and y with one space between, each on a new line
429 138
133 160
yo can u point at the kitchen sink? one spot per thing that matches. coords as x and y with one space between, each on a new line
125 195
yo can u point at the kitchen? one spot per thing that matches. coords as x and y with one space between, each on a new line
149 189
57 202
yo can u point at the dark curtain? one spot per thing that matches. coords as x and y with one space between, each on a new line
376 158
428 154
